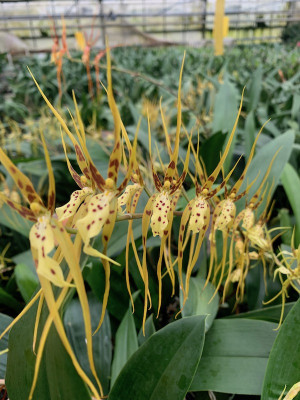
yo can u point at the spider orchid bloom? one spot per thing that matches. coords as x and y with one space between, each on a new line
160 207
44 236
41 234
246 218
223 219
289 267
196 215
129 199
100 195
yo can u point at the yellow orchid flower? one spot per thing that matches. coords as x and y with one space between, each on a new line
289 267
43 236
223 219
100 195
253 235
196 216
160 207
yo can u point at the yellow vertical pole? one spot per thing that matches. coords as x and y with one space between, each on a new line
219 27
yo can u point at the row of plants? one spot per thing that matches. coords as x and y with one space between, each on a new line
236 349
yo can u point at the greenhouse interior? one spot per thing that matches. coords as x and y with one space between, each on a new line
149 199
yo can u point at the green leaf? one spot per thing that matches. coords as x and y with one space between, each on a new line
284 362
296 105
14 221
271 314
291 183
164 366
26 280
126 344
224 114
8 300
255 88
102 347
149 330
210 148
5 320
199 301
57 380
235 356
261 162
250 132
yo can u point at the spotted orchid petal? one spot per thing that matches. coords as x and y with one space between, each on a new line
161 214
225 217
22 182
91 225
200 215
42 241
23 211
68 210
106 235
129 192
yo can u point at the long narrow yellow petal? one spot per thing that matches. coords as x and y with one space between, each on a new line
51 189
37 321
69 252
79 154
238 184
23 312
106 235
211 179
54 316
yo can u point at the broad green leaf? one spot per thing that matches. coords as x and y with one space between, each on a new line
102 346
126 344
235 356
25 258
261 162
284 362
271 314
26 280
296 105
118 296
291 183
5 320
164 366
255 88
249 133
210 150
200 301
285 222
14 221
149 330
57 380
8 300
224 115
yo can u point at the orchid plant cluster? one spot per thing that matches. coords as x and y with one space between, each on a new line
60 235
